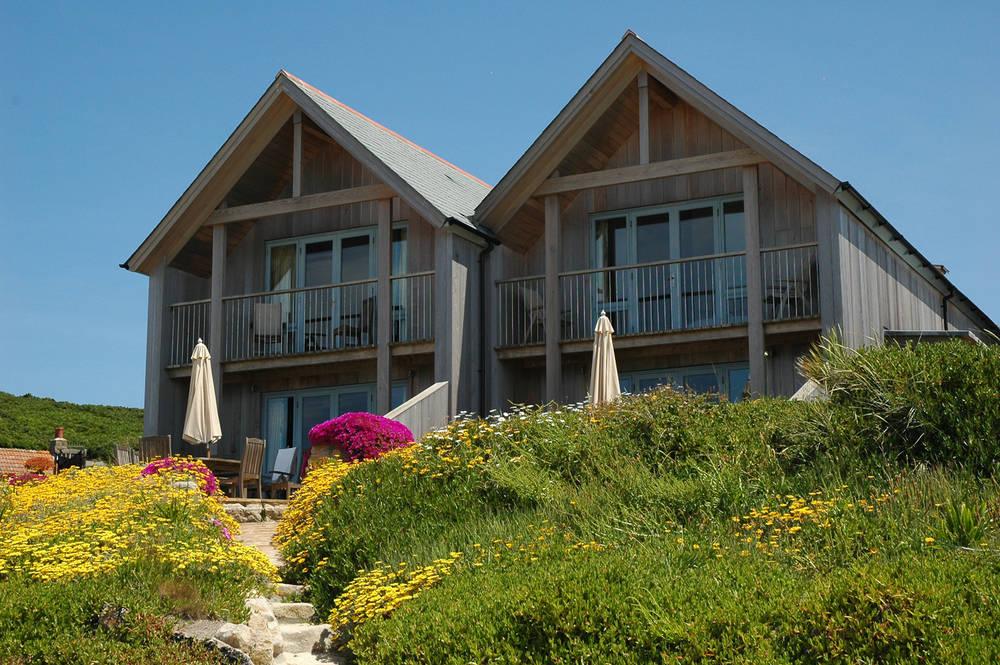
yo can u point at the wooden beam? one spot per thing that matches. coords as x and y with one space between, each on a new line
383 304
297 154
643 80
755 296
553 354
627 174
215 317
337 197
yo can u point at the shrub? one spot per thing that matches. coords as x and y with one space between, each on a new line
361 436
188 469
937 403
39 464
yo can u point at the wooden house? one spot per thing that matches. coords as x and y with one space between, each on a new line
332 265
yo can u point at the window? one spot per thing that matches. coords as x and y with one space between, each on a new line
288 417
655 278
727 379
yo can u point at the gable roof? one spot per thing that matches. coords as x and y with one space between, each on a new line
437 189
451 190
630 55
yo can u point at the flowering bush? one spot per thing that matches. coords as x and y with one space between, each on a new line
361 436
14 479
87 522
185 468
39 464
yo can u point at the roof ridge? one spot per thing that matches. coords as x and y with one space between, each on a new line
384 128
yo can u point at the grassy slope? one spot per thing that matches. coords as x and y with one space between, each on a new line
28 422
892 570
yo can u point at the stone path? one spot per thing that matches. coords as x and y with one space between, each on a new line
280 630
259 535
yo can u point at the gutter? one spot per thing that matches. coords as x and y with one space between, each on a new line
895 236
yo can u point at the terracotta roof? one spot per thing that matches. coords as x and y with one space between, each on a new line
12 459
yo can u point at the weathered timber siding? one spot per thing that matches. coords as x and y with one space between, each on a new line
878 290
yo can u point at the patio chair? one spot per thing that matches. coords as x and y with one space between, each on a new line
281 474
152 447
358 326
249 472
267 325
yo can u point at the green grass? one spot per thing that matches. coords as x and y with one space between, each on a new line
901 565
27 421
115 618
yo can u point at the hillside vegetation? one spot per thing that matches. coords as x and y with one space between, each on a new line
27 421
672 528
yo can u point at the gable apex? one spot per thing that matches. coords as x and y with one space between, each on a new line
630 56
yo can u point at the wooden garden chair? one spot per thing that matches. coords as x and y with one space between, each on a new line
249 473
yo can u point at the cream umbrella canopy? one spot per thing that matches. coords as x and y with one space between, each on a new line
604 385
201 422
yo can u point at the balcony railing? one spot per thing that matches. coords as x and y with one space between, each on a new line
188 323
790 282
683 294
413 307
296 321
521 308
706 292
290 322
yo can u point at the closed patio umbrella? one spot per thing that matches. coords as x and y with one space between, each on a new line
201 422
604 385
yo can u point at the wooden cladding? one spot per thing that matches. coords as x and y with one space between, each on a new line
627 174
300 204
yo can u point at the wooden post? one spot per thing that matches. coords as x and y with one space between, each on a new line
755 296
297 154
553 354
156 347
215 322
643 117
827 209
383 301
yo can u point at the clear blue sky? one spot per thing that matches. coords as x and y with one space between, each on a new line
107 114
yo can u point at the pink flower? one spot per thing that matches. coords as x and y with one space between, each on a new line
361 435
206 479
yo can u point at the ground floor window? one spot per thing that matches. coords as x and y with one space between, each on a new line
729 379
288 416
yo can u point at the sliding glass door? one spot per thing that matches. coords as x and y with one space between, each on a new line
288 417
648 295
319 319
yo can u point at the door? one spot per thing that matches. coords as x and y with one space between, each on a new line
279 424
354 310
316 305
694 281
613 288
288 417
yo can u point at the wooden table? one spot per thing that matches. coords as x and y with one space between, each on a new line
222 465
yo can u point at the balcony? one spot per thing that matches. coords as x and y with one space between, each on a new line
306 321
662 297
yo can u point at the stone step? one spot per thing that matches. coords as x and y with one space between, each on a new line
307 659
293 612
288 591
304 637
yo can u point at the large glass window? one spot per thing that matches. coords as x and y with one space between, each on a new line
727 379
288 417
653 278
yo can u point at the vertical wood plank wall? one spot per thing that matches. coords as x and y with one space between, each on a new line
878 289
786 207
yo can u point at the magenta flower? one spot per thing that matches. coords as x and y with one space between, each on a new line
361 436
205 478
